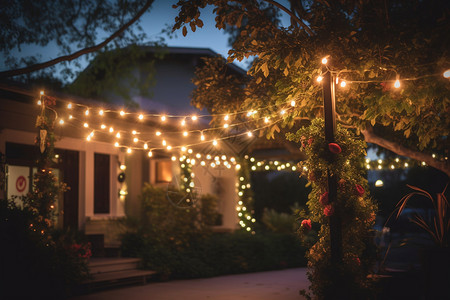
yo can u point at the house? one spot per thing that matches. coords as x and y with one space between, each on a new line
105 152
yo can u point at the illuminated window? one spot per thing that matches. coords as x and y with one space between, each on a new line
163 171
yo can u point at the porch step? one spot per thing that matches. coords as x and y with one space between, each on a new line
109 273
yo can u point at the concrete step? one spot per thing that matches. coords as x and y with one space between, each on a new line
105 265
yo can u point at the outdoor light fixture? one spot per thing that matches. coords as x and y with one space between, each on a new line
379 183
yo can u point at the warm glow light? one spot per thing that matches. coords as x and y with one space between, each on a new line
111 130
122 113
446 74
141 117
194 118
319 79
123 167
103 126
225 125
164 143
101 112
129 150
145 146
292 103
169 147
249 133
158 133
134 132
282 112
185 133
343 83
226 118
135 140
202 137
116 144
163 118
379 183
174 158
39 102
86 112
70 117
183 148
42 92
214 142
61 121
324 60
86 125
118 135
69 106
150 154
397 84
88 138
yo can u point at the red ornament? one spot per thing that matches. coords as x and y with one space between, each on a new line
334 148
310 141
306 224
324 199
359 190
328 210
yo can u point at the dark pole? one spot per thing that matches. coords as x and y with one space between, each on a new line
328 85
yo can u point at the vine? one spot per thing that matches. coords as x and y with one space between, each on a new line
345 160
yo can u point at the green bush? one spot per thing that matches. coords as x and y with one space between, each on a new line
45 265
179 243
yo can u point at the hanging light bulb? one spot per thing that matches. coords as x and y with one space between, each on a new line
69 106
292 103
324 60
61 121
226 118
118 135
397 83
249 133
158 133
101 112
163 118
225 125
129 150
134 132
122 113
141 117
111 130
214 142
86 112
164 143
145 146
266 120
446 74
150 154
86 125
202 137
343 83
116 144
194 118
185 133
183 122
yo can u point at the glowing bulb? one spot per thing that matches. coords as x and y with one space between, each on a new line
86 112
146 146
226 118
123 167
69 106
86 125
116 144
122 113
169 147
379 183
164 143
61 121
319 79
343 83
111 130
174 158
101 112
202 137
163 118
225 125
150 154
129 150
249 133
42 93
103 126
214 143
194 118
282 112
292 103
185 133
118 135
158 133
141 117
266 120
70 117
134 132
183 122
88 138
135 140
446 74
39 102
397 84
324 60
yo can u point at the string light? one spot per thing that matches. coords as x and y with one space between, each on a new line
101 112
86 112
319 78
122 113
163 118
69 106
446 74
397 83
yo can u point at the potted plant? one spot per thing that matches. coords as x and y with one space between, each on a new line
436 260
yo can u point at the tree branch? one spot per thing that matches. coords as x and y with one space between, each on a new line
293 16
371 137
77 54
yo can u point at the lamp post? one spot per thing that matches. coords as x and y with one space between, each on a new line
328 86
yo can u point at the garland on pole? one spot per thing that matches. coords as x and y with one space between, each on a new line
345 159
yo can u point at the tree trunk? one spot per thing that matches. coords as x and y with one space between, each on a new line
371 137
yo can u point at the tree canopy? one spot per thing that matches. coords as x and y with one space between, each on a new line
369 45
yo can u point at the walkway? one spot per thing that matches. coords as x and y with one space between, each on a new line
273 285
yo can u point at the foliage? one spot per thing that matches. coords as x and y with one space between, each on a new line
408 39
439 227
65 27
343 159
279 221
217 254
46 265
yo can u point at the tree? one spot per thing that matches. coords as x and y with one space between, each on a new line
369 45
71 24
